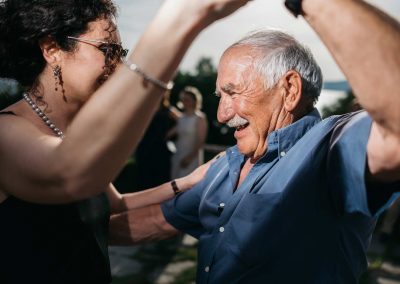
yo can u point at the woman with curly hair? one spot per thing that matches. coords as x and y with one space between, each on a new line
68 137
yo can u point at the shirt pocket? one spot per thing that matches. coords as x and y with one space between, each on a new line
254 231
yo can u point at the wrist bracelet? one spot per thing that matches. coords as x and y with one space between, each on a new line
294 6
175 187
162 85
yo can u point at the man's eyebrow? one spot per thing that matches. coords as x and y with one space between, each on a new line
228 88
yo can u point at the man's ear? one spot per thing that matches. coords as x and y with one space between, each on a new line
292 85
51 51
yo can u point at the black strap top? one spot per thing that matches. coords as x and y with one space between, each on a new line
54 243
63 243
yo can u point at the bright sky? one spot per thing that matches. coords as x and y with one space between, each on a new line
135 16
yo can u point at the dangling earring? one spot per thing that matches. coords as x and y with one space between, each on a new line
58 80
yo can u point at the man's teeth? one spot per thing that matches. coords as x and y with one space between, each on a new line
240 127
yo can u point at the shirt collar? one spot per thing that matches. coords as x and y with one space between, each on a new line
283 138
287 136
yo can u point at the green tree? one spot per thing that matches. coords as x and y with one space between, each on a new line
10 92
343 105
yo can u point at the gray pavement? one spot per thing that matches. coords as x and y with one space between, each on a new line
164 262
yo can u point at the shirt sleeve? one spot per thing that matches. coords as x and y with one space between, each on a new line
182 212
347 166
347 163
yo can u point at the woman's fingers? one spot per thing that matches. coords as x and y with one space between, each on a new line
223 8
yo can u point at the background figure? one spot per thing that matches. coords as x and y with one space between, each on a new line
153 158
191 132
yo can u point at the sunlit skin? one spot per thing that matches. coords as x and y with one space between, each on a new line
108 126
83 66
242 93
81 69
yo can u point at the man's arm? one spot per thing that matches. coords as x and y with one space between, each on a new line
365 43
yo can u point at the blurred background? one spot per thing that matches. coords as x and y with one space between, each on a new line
174 261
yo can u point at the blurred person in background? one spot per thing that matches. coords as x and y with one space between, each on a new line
190 131
153 155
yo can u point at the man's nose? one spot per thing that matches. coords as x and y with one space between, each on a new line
225 110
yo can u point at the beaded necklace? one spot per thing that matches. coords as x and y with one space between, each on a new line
45 119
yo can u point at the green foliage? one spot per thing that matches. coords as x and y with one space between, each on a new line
204 78
186 277
343 105
10 92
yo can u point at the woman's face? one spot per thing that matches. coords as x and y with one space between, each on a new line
87 67
187 101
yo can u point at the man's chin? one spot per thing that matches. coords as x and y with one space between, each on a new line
244 149
249 152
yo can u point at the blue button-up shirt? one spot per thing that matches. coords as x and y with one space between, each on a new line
300 216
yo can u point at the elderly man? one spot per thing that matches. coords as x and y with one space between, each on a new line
296 200
288 203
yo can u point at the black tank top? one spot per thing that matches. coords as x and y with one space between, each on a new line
54 243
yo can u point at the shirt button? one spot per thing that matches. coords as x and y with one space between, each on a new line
221 229
222 205
207 269
283 153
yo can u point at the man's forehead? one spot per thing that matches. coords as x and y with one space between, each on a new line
235 65
239 57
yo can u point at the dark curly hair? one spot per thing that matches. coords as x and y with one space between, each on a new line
23 23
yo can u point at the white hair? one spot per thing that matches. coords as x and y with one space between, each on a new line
277 53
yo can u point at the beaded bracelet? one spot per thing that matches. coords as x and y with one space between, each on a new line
175 187
133 67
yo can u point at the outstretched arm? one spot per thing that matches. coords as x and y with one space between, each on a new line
365 43
137 217
125 202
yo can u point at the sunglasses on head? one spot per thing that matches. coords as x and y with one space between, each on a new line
112 51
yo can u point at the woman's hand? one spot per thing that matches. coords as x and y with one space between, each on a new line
204 12
223 8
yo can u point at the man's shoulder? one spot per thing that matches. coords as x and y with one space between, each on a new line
351 124
222 163
336 124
